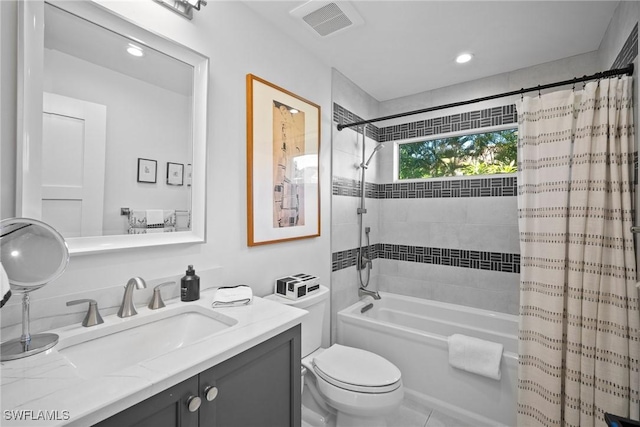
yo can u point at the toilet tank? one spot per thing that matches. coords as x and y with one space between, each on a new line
315 304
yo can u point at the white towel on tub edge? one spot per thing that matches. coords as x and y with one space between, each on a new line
475 355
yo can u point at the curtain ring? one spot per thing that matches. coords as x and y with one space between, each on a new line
584 83
539 95
574 84
521 94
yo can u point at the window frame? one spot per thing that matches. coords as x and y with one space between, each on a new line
487 129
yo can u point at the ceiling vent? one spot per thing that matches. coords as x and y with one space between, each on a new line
326 18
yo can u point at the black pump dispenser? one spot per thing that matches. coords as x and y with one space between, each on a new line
190 286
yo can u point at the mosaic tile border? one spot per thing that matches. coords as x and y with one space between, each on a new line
495 116
346 259
476 119
479 260
351 187
629 50
470 187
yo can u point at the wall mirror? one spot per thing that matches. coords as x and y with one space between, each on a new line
112 129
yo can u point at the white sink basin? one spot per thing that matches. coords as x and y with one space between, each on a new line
108 348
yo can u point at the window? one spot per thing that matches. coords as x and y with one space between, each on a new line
476 154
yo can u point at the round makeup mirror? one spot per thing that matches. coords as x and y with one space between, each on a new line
32 254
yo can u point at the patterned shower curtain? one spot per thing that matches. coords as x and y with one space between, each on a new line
579 321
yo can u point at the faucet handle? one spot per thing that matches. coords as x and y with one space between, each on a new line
156 302
93 315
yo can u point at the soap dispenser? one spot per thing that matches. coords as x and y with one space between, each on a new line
190 286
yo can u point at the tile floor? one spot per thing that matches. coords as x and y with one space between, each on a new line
411 414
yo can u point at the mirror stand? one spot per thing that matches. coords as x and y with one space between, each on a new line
33 254
27 344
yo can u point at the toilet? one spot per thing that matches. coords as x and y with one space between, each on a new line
354 387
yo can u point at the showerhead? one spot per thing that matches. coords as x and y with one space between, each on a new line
375 150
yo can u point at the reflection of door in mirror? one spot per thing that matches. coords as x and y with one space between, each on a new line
73 162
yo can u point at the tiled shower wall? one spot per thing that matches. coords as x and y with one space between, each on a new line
452 240
346 154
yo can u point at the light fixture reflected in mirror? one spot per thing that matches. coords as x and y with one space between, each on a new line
183 7
134 50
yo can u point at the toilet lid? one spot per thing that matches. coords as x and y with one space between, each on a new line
356 369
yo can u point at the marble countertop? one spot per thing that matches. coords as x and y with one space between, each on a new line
48 390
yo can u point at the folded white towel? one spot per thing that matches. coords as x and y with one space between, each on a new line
232 296
475 355
155 218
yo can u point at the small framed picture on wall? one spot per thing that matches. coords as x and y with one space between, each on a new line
175 173
147 170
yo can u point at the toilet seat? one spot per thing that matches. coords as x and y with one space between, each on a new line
356 370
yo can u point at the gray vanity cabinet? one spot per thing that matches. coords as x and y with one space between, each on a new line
260 387
165 409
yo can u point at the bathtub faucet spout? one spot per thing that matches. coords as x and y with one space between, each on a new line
362 292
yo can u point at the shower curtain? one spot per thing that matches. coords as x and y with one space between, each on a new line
579 320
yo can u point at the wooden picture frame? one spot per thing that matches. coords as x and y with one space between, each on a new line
283 146
175 173
147 170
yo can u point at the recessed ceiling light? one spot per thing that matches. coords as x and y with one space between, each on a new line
464 57
135 50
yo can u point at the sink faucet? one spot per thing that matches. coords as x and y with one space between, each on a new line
362 292
127 309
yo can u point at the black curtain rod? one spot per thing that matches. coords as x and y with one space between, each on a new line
628 70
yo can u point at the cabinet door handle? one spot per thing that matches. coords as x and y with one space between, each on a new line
210 393
193 403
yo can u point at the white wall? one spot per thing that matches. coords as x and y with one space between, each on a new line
624 19
237 42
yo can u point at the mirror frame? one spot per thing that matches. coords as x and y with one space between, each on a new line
29 123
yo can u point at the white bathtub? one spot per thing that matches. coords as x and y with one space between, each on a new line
412 333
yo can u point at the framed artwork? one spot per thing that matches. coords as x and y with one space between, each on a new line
283 143
147 170
175 173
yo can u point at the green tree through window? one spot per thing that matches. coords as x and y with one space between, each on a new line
476 154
